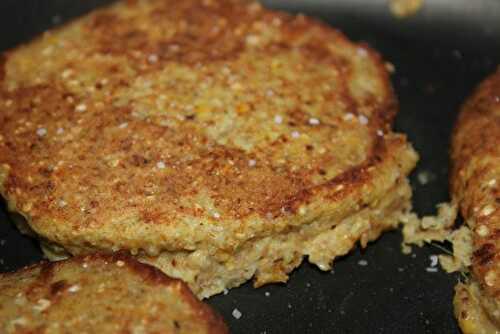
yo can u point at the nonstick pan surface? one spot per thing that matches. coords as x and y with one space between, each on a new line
439 54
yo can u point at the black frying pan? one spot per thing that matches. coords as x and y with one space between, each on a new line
440 54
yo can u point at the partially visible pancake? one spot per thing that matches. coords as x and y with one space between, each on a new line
100 294
475 185
217 140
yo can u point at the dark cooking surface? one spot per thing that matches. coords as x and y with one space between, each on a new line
377 290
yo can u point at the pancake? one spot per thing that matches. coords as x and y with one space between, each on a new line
475 187
216 140
100 294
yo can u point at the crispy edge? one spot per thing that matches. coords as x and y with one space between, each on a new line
473 145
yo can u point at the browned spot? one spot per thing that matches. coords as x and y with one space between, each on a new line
57 287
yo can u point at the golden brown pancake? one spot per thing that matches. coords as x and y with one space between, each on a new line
100 294
475 187
217 140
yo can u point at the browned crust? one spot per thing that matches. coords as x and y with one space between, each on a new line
149 274
236 189
475 179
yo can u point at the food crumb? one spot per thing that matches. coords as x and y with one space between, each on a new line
267 293
424 177
405 8
431 269
434 260
362 263
237 314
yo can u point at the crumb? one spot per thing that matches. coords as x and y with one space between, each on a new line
424 177
237 314
362 263
404 8
434 260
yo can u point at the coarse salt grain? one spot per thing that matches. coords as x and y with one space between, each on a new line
252 39
60 131
349 116
278 119
362 119
81 108
380 133
160 165
66 73
42 304
267 294
295 134
431 269
490 278
74 288
120 263
362 52
123 125
236 313
492 182
216 215
62 203
313 121
483 230
153 58
41 132
252 162
487 210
